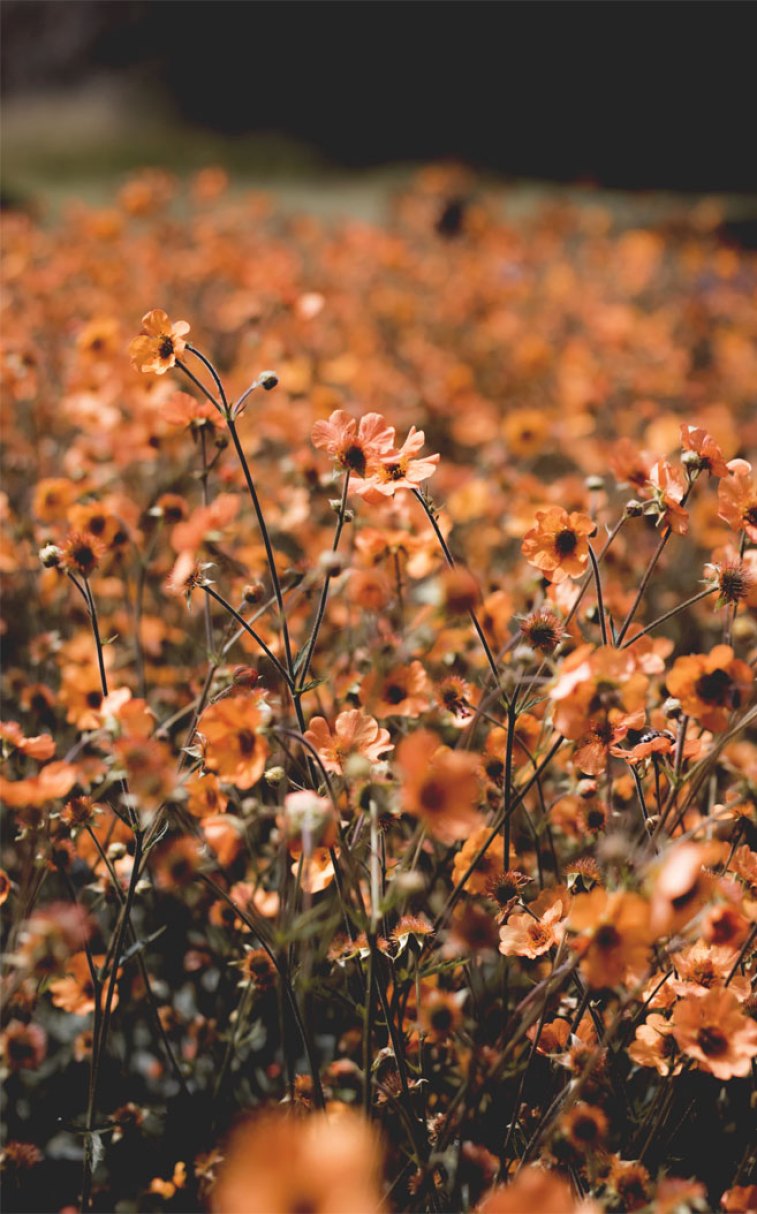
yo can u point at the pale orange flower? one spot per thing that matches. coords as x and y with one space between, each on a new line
534 1191
737 499
356 446
713 1030
354 733
558 545
159 343
669 489
528 936
655 1046
399 469
710 457
40 747
490 864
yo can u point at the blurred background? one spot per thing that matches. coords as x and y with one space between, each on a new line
334 103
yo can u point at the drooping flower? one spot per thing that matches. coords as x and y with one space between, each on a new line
703 446
159 343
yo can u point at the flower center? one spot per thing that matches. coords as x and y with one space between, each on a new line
712 1041
165 349
566 542
354 458
715 687
395 694
432 795
246 741
607 936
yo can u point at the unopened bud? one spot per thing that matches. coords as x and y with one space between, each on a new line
116 851
357 767
586 789
244 676
253 592
692 461
595 484
671 709
331 563
268 380
50 556
634 508
274 775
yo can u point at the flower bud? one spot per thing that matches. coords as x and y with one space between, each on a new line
595 484
634 508
274 775
50 556
268 380
671 709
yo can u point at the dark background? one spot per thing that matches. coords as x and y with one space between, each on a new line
628 95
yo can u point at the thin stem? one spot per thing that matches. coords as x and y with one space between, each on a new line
600 600
213 373
302 672
249 629
198 384
450 561
266 541
667 616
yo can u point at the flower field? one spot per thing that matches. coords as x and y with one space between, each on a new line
378 760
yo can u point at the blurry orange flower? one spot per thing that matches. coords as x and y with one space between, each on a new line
233 746
534 1191
355 733
403 692
53 781
669 489
655 1046
487 867
679 887
441 786
528 936
12 735
558 545
710 686
322 1163
585 1127
614 935
159 343
713 1030
75 992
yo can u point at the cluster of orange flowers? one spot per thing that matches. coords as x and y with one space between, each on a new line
380 798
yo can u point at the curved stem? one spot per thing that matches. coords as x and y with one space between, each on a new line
247 627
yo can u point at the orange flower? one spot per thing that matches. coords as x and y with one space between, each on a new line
655 1046
710 686
441 786
441 1014
52 782
75 992
323 1163
669 489
713 1030
81 553
529 936
488 866
703 445
679 888
737 499
614 935
41 747
355 733
204 795
356 446
585 1127
159 343
233 746
399 469
534 1191
403 692
558 544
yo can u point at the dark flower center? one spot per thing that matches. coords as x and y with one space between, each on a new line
94 699
607 936
165 349
566 542
715 687
354 458
246 740
750 514
712 1041
585 1129
432 795
441 1019
395 694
